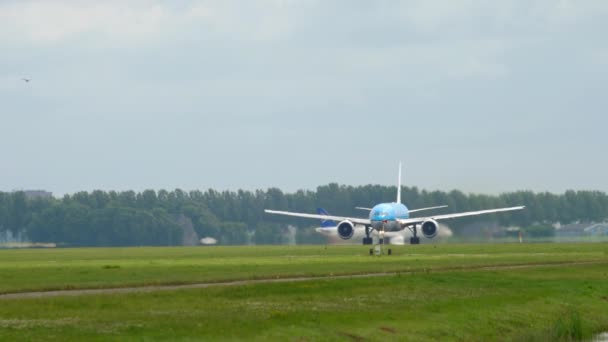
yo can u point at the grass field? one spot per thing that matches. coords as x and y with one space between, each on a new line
439 293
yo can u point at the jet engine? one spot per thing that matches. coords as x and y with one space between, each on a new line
429 228
346 229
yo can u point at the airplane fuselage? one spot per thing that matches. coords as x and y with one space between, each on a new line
385 215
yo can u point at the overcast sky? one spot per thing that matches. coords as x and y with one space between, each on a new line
482 96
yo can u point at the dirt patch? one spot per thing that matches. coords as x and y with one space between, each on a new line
35 323
352 336
389 330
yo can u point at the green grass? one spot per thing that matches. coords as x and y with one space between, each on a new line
447 298
51 269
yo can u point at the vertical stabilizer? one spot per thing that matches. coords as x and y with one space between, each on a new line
399 185
325 223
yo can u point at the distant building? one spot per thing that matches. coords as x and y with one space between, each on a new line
582 229
599 229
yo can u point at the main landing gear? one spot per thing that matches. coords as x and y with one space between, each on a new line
367 240
414 240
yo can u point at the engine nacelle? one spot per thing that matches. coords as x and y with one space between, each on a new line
346 230
429 228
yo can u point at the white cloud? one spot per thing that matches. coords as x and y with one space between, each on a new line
40 21
50 22
176 75
477 17
428 62
436 39
248 20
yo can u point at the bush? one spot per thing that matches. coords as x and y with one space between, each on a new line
568 327
539 231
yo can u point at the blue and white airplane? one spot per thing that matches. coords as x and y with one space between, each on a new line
390 217
329 229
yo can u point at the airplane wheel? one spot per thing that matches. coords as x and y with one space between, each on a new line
367 241
390 251
380 241
371 251
414 240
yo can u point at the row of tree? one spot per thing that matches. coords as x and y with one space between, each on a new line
128 218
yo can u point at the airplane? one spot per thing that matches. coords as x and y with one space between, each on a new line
329 229
390 217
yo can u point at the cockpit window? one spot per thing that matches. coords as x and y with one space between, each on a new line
380 213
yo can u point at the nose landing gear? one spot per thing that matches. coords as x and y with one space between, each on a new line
377 250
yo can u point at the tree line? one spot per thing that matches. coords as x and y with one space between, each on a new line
129 218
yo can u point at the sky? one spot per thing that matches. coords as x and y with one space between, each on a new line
481 96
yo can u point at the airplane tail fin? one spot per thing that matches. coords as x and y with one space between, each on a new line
399 185
325 223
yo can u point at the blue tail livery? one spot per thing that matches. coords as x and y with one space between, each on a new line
325 223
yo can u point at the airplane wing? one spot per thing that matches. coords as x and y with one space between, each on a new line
411 221
429 208
320 217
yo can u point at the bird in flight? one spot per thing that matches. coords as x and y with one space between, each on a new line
27 80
